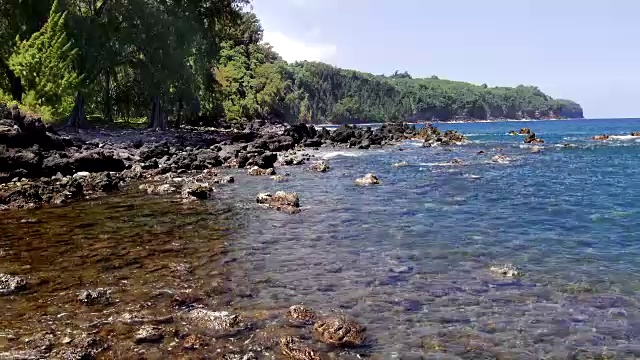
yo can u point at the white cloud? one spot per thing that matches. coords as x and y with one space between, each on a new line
295 50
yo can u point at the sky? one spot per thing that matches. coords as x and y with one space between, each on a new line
584 50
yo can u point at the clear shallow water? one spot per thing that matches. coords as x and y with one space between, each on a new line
409 258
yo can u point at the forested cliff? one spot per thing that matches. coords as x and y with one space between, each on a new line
199 61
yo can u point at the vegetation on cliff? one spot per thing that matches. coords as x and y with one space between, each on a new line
198 61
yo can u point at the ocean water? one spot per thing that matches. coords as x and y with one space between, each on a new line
409 258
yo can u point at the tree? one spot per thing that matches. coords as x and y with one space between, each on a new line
44 62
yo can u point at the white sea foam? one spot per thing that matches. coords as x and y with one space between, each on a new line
624 137
333 154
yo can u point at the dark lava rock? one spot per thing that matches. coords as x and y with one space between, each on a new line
320 166
100 296
295 349
340 331
97 161
10 284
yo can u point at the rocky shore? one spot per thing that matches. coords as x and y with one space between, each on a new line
39 165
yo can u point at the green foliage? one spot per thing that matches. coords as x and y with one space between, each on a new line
341 95
45 64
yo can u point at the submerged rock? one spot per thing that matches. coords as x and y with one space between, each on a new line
340 331
279 178
10 284
320 166
506 270
100 296
198 191
257 171
369 179
500 159
295 349
223 322
513 133
149 334
299 314
282 201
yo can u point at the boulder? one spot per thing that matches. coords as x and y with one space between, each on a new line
97 161
320 166
340 331
635 133
525 131
369 179
343 134
257 171
600 137
10 284
295 349
513 133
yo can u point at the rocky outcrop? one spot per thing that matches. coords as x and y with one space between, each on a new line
281 201
340 331
635 133
257 171
369 179
525 131
601 137
532 139
320 166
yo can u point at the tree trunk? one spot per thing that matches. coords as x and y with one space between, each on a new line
14 82
78 119
106 97
179 117
157 118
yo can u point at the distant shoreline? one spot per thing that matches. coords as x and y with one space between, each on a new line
459 122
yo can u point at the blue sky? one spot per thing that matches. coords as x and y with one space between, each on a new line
587 51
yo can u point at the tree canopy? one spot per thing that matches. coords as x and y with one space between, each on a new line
198 61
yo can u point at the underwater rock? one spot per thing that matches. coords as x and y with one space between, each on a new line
506 270
10 284
295 349
340 331
149 334
299 314
198 191
222 322
100 296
